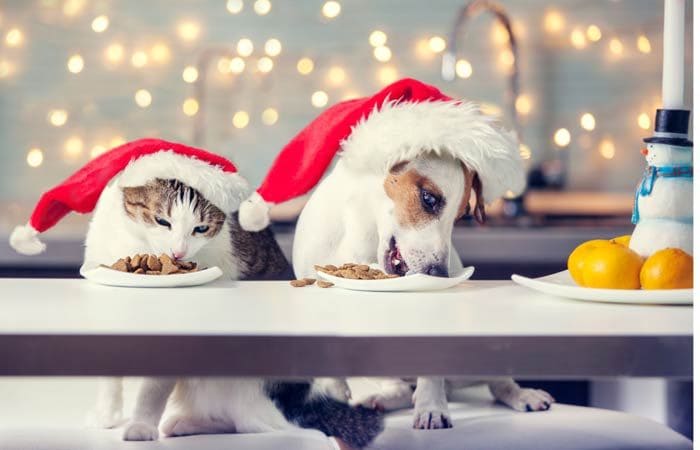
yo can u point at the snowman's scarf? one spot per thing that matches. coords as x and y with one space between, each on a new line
647 184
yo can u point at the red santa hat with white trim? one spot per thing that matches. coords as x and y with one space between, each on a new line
400 122
132 164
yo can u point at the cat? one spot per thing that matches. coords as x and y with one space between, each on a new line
168 216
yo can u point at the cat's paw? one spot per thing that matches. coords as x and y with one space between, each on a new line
140 431
104 418
528 400
431 419
180 426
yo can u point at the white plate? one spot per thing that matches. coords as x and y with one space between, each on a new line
111 277
415 282
561 284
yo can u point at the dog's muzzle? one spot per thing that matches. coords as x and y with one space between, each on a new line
436 270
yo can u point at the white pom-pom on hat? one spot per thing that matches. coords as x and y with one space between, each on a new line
254 213
25 240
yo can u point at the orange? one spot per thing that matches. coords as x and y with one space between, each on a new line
671 268
577 258
612 266
624 240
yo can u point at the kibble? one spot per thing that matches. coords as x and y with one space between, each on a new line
355 272
145 264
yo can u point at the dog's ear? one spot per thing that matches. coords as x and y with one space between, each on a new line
472 182
398 167
479 208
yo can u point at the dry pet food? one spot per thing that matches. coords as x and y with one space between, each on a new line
355 272
303 282
153 265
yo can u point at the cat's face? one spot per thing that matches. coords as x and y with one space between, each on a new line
177 219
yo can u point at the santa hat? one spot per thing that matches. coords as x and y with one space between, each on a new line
400 122
132 164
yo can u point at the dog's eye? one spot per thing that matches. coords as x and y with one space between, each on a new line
431 202
201 229
162 222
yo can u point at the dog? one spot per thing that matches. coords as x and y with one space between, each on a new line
410 161
402 220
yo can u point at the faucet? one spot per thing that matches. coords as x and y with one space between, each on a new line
512 207
449 58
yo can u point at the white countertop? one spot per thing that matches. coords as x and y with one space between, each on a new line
326 330
476 308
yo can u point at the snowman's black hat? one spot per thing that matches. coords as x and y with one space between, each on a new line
671 127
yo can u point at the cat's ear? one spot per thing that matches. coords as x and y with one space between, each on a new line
136 194
136 203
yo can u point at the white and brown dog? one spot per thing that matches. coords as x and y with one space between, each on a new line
407 170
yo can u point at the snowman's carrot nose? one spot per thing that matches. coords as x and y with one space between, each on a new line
644 151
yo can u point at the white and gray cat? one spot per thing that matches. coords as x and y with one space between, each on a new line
168 216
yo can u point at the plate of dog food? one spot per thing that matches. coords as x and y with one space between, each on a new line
144 270
562 285
364 277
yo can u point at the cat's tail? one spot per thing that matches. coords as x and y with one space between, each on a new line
357 426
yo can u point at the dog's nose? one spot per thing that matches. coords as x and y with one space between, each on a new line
436 270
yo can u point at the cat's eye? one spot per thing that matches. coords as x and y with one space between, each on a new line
431 202
201 229
162 222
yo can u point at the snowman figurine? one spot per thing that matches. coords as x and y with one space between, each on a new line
663 208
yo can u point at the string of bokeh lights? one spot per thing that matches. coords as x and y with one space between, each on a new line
116 53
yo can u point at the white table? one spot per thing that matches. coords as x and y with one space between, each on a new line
73 327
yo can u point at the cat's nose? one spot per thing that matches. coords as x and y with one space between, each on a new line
179 255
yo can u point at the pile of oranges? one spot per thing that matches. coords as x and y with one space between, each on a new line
611 264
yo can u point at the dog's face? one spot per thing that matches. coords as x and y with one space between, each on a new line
425 197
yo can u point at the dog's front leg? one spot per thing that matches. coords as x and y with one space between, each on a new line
430 400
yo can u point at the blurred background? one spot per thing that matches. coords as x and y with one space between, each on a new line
241 77
579 79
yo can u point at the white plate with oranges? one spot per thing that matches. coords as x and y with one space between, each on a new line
609 271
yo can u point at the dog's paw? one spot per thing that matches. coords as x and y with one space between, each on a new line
334 388
431 420
376 402
140 431
104 418
389 400
528 400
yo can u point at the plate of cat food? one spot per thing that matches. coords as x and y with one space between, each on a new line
146 271
364 277
561 284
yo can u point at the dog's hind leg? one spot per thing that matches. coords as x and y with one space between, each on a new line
394 393
430 399
335 388
507 391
